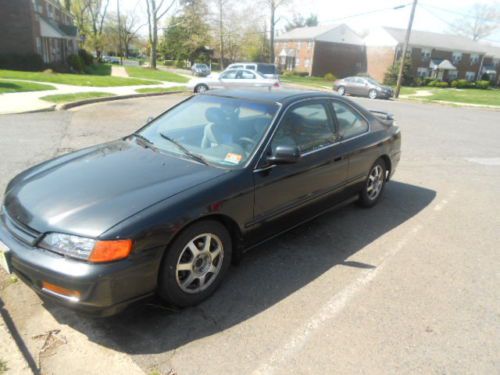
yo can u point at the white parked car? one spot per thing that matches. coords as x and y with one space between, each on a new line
232 78
267 70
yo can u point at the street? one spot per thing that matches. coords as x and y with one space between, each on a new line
410 286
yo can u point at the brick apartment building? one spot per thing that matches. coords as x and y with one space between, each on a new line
441 56
40 27
321 49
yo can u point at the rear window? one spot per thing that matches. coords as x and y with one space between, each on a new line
267 68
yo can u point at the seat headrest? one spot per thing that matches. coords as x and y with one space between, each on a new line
215 115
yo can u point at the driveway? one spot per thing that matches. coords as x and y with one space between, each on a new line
410 286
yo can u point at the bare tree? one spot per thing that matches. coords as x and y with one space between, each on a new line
221 6
97 10
156 10
273 7
481 21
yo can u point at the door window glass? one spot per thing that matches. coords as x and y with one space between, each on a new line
306 126
350 122
246 75
230 74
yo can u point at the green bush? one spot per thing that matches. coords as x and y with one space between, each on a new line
76 63
169 62
86 57
437 83
215 66
462 84
287 73
483 85
29 62
180 64
330 77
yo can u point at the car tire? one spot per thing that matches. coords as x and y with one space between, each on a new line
372 94
199 89
374 185
341 91
190 275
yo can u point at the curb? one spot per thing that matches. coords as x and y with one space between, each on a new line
65 106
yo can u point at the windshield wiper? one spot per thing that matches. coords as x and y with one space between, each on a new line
147 142
193 156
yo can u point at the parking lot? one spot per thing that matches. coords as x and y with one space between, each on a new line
410 286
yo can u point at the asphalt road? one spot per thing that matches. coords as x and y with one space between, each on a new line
410 286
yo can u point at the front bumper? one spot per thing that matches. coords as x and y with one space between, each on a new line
104 289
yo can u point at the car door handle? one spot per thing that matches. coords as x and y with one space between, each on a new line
338 158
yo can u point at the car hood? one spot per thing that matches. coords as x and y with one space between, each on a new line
90 191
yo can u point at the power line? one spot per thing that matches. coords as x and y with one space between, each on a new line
397 7
462 14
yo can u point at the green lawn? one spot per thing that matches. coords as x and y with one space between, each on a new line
155 90
18 86
74 79
468 96
160 75
314 82
68 98
99 70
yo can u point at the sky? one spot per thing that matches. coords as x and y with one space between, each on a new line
431 15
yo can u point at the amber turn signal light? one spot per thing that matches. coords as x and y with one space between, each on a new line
60 290
107 251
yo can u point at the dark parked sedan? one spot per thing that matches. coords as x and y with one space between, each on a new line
362 86
167 209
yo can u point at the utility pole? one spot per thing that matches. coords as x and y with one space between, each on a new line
120 50
405 48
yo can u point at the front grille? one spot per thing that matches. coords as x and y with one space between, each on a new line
20 231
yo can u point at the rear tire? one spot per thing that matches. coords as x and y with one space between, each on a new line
372 94
374 185
199 89
341 91
195 264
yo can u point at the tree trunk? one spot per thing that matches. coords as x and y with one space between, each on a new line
221 30
154 46
271 53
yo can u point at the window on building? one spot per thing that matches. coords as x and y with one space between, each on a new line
309 45
425 54
474 58
297 61
456 57
470 76
299 44
452 75
50 10
349 121
496 62
307 63
38 45
306 126
422 72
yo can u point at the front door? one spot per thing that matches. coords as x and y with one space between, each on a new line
287 194
229 79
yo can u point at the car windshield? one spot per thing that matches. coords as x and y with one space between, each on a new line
267 69
216 130
201 66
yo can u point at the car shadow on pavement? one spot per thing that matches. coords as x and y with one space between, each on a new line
266 275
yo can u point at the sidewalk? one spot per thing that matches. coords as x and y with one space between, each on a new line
20 102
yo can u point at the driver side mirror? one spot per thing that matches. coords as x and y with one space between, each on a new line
284 155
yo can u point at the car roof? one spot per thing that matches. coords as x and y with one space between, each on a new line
282 96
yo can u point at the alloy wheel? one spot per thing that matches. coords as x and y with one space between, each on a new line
199 263
375 182
341 91
372 94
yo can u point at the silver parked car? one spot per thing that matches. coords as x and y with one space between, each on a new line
232 78
362 86
201 70
267 70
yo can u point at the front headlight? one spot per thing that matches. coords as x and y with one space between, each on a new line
65 244
379 88
86 248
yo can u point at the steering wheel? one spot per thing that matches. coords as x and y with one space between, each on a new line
248 143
